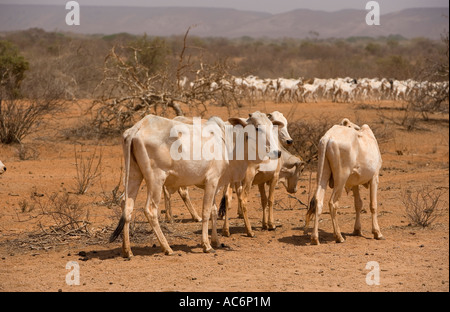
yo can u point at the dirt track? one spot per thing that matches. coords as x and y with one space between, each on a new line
410 259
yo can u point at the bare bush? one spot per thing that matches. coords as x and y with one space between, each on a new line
88 169
132 87
19 118
21 114
27 152
113 197
422 205
69 216
306 136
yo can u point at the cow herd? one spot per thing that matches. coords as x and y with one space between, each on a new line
219 156
334 89
239 153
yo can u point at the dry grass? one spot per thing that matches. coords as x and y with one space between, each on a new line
423 206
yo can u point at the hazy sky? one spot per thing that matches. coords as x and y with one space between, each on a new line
272 6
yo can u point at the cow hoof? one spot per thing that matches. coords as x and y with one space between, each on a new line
197 219
226 233
380 237
272 227
127 256
209 250
169 252
340 240
357 233
315 241
251 234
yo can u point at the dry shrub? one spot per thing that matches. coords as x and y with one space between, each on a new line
306 135
113 197
422 205
27 152
88 169
132 87
69 216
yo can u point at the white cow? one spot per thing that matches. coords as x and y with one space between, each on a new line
288 86
260 174
288 172
283 136
307 90
348 157
2 167
149 154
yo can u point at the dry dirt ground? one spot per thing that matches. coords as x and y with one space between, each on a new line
33 257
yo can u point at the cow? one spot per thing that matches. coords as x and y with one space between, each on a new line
260 174
283 136
348 157
288 171
2 168
149 148
288 86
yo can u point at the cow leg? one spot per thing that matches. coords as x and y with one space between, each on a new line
247 184
358 206
262 192
228 192
154 179
208 201
272 185
214 237
151 212
184 194
238 188
373 208
334 205
316 204
134 182
168 206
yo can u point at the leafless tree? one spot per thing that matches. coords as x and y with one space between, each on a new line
131 89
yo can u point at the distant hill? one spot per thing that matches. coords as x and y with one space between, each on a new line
215 22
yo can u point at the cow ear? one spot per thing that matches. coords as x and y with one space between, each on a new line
269 116
278 123
237 121
345 122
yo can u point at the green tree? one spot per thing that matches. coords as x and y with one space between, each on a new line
151 53
12 67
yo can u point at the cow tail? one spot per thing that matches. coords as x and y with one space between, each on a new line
127 152
313 203
223 207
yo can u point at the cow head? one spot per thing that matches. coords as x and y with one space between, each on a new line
283 133
2 167
291 172
263 130
347 123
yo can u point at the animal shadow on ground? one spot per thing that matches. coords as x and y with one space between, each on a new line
305 239
137 251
